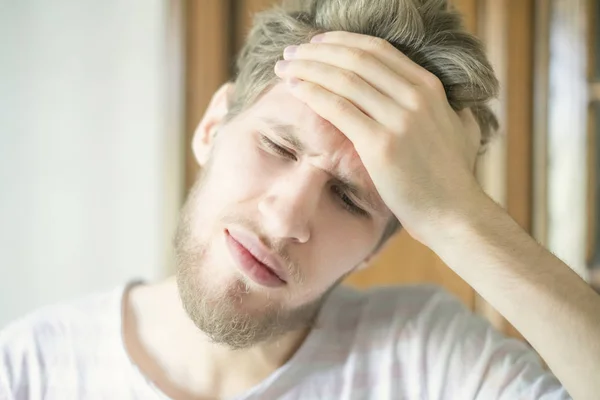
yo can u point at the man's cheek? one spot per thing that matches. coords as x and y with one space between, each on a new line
236 174
315 282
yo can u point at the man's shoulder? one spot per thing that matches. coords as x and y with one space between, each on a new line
54 332
398 323
46 350
405 300
393 307
60 320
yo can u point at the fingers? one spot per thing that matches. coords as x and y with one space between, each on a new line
359 62
343 82
378 63
367 88
359 128
386 53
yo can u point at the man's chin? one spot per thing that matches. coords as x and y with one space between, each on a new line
246 298
234 314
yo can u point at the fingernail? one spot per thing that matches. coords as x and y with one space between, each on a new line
281 65
290 51
318 38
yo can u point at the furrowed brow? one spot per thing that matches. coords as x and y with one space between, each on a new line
287 132
365 196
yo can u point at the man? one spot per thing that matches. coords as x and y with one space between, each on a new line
308 165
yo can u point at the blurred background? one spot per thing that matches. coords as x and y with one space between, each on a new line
99 100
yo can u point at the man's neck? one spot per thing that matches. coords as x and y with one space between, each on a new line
180 359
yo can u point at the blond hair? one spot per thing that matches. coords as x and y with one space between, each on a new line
427 31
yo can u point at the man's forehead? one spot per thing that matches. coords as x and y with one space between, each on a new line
278 107
287 117
279 103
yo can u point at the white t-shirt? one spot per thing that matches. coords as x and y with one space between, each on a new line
410 342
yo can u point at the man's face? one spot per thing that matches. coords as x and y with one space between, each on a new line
285 187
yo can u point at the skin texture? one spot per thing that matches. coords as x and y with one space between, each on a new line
360 106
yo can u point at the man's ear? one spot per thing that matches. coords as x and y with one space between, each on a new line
213 117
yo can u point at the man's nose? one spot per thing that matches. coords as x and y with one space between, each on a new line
289 206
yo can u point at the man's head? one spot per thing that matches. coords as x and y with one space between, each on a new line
283 184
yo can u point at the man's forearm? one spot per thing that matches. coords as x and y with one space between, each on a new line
554 309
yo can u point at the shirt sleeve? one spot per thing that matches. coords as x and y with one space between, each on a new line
22 364
466 358
5 391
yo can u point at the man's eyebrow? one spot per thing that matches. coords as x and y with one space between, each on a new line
289 133
365 196
285 131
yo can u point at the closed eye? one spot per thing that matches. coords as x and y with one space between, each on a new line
344 200
279 150
347 202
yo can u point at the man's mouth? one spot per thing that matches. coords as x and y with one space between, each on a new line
254 259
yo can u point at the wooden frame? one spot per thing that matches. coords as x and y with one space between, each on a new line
469 10
519 103
208 62
593 184
540 121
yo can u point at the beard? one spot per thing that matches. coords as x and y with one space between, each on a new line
225 312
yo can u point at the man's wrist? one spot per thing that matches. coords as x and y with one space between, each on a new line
461 222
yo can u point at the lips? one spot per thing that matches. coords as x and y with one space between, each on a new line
256 259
